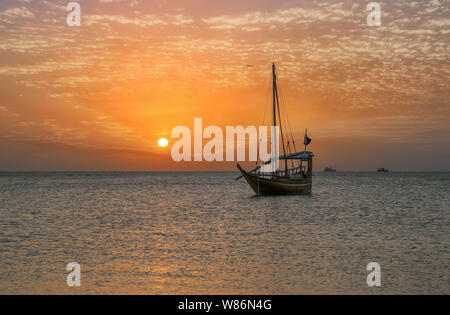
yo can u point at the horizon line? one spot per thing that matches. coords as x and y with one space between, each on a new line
202 171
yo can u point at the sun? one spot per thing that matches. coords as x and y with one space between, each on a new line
163 142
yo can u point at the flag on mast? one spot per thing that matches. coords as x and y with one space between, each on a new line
307 140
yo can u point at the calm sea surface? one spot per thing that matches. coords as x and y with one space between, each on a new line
204 233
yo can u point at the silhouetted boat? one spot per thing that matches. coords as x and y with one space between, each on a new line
382 170
330 169
294 180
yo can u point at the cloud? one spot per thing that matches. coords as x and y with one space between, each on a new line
13 14
145 20
286 16
142 21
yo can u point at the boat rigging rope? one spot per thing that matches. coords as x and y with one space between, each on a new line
287 122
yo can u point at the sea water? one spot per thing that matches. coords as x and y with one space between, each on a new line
205 233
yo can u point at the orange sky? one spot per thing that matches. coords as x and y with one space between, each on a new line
99 96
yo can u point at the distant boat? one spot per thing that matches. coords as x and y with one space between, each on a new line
294 180
330 169
382 170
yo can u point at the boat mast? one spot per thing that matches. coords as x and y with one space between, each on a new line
276 104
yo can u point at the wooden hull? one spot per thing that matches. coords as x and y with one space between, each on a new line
277 186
